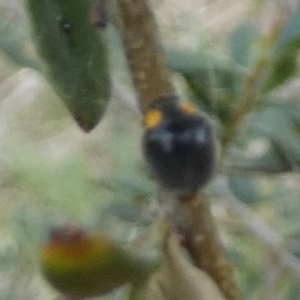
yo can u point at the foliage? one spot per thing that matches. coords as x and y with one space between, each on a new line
78 67
51 172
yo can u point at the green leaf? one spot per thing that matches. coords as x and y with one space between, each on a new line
271 162
207 77
244 188
75 56
290 34
283 68
200 65
280 125
128 211
285 52
241 42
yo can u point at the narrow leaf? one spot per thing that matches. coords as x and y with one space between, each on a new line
241 41
290 33
283 67
74 55
244 188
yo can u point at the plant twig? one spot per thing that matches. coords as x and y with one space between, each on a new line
247 96
152 81
203 244
144 53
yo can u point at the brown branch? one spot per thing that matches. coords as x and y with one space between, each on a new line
204 246
191 217
144 52
152 81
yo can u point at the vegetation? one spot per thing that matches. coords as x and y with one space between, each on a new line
52 173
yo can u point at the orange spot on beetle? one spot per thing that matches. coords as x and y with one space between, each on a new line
188 108
152 118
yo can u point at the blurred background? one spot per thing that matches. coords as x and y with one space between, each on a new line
51 172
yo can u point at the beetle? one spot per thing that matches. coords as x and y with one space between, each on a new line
179 145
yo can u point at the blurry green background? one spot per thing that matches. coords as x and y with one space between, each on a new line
52 172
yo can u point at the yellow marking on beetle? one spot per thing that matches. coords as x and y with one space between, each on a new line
152 118
188 108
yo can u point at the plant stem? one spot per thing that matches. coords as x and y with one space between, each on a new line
144 52
247 96
204 246
152 81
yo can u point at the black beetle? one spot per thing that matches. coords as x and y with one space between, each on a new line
179 145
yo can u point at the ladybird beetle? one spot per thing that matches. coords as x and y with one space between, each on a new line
179 145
